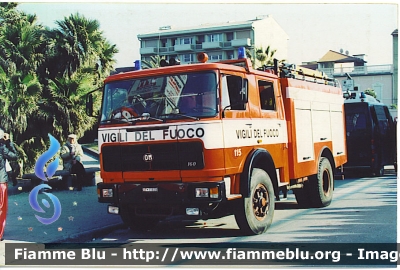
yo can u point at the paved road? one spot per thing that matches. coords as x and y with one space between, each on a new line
364 210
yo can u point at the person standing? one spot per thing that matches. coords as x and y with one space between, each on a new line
13 170
71 154
7 152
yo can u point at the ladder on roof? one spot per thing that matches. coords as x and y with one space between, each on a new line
285 70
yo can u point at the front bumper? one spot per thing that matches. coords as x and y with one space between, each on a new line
163 199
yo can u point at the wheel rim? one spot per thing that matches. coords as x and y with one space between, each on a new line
261 202
326 178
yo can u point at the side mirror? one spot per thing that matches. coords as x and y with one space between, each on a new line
90 103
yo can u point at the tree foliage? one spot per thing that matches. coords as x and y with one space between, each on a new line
45 75
154 62
260 57
370 92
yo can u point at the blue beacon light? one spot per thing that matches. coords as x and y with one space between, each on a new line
138 65
241 53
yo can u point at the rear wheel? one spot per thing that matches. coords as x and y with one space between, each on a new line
255 212
321 184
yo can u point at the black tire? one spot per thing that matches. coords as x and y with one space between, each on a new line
137 223
321 184
254 213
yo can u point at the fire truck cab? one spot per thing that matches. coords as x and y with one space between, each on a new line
213 139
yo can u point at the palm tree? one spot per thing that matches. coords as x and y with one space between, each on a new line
262 57
106 60
78 42
80 59
19 105
153 63
21 52
265 57
19 102
44 76
22 43
64 105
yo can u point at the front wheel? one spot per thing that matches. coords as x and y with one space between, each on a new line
255 212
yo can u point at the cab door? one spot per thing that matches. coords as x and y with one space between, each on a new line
236 120
271 123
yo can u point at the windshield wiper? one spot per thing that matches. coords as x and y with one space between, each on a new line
181 114
131 120
115 120
146 117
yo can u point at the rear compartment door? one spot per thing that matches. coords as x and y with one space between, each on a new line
304 132
338 134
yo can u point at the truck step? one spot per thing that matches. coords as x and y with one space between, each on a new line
233 196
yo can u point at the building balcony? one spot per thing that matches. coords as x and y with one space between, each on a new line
148 50
166 49
241 42
226 44
362 70
184 47
212 45
181 48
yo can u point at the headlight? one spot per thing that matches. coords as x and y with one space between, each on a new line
192 211
202 192
107 192
113 210
207 192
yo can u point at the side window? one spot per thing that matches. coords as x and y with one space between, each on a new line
382 119
267 97
234 85
356 122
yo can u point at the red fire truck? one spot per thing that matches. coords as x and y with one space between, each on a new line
217 138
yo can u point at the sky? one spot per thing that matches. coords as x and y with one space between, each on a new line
313 29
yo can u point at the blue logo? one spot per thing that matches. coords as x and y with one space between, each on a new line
35 205
51 169
41 162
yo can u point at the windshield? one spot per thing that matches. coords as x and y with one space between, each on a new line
185 95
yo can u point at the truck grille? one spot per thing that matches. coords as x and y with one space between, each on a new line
153 157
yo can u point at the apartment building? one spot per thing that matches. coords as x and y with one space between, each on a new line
219 41
355 75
